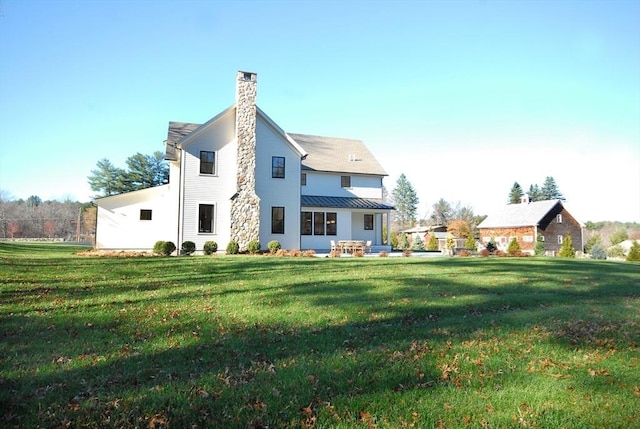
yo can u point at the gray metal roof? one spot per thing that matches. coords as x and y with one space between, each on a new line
343 203
523 214
333 154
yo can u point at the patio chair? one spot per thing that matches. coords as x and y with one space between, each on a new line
367 246
334 246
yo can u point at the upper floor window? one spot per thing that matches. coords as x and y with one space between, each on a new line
345 181
559 218
205 218
277 167
207 162
303 179
277 220
368 222
559 239
145 214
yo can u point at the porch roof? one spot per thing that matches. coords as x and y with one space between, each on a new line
343 202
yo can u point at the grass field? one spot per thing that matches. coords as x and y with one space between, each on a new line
256 342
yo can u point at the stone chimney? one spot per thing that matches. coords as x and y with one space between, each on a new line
245 204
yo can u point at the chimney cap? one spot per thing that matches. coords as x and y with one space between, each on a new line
245 75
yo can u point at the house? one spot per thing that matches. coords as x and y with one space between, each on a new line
240 177
527 221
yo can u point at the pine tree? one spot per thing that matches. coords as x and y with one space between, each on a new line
634 252
406 202
534 193
538 250
567 250
550 191
514 247
433 243
516 193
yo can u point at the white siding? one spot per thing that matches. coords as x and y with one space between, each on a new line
277 192
329 184
214 189
119 224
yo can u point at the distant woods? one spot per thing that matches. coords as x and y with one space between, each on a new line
143 171
34 218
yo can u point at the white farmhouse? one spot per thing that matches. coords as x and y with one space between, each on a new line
240 177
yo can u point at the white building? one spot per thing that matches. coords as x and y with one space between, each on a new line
240 177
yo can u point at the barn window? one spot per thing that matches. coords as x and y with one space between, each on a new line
145 214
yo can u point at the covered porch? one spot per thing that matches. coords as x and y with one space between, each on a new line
344 219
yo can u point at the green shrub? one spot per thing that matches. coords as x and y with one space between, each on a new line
210 247
634 252
514 247
253 247
491 246
616 252
567 250
164 248
233 248
598 252
470 243
273 246
418 243
187 248
538 250
404 243
433 243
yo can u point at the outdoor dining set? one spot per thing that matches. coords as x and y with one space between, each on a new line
351 246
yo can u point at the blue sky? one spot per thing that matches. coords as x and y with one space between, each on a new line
463 97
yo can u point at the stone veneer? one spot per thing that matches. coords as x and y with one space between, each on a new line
245 204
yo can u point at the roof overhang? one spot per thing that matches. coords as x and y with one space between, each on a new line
343 203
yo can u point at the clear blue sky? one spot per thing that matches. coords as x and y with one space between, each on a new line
463 97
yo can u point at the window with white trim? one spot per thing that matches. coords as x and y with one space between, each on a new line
207 162
205 218
559 239
559 218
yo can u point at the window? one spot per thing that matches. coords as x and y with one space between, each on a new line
368 222
306 223
527 238
207 162
332 223
277 220
541 237
145 214
559 239
345 181
559 218
205 218
303 179
318 223
277 167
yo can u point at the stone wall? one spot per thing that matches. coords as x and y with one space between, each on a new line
245 205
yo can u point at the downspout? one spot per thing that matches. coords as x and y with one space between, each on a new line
180 216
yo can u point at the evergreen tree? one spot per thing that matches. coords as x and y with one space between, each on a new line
106 179
442 213
567 250
516 193
550 191
514 248
433 242
534 193
538 250
406 202
634 252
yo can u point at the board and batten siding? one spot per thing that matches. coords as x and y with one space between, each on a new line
216 189
275 192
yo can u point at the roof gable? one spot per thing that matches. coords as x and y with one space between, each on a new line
516 215
333 154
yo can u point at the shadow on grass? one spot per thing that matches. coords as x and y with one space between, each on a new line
197 342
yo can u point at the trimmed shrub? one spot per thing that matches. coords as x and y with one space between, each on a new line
514 247
309 253
616 252
433 243
567 250
406 252
485 252
187 248
210 247
470 243
538 250
253 247
296 253
598 252
164 248
233 248
464 252
273 246
383 254
281 252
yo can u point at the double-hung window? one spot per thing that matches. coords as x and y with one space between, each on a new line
277 167
368 222
306 223
145 214
205 218
345 181
207 162
277 220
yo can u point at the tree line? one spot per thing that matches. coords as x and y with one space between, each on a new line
35 218
548 191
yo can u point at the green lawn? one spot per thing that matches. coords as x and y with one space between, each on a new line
254 342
